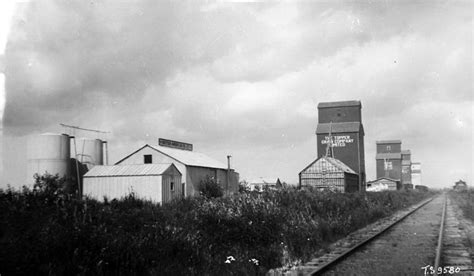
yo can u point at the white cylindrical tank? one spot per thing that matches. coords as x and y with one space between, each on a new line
47 153
89 152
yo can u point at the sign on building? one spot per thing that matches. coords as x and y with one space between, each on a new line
175 144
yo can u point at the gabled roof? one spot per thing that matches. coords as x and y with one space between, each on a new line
388 155
323 128
130 170
333 161
386 178
188 158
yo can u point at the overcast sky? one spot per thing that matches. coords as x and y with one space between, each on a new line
245 78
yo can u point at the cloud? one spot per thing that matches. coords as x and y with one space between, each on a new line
245 79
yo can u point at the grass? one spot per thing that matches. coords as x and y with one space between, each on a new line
46 231
465 201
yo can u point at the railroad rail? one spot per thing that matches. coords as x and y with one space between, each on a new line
348 245
452 254
326 261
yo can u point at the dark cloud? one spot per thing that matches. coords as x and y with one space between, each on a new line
243 79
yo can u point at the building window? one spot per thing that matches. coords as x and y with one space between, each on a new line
388 165
147 159
389 148
172 186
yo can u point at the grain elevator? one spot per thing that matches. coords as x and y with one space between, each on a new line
343 122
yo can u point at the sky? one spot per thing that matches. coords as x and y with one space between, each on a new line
243 79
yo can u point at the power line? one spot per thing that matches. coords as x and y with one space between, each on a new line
85 129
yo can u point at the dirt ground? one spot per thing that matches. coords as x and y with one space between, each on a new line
403 250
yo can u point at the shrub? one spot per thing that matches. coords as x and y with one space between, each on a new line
209 188
43 231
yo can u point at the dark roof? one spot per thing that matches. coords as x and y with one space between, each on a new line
339 127
339 104
389 142
397 155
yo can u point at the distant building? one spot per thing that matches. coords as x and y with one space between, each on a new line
416 173
389 159
382 184
460 186
406 167
156 182
260 183
327 173
194 166
344 121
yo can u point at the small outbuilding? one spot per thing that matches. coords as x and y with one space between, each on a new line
460 186
260 183
327 173
383 184
156 182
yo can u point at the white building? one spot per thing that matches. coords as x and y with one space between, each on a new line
194 166
156 182
382 184
260 183
416 173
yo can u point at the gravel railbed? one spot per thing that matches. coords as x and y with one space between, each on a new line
402 250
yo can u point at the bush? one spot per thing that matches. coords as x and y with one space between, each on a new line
465 201
45 232
209 188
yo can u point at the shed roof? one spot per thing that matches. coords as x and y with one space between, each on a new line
333 161
382 178
406 152
186 157
339 104
388 155
338 127
389 142
129 170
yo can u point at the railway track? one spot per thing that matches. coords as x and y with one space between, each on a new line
441 241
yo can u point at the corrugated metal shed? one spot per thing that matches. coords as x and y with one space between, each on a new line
338 127
128 170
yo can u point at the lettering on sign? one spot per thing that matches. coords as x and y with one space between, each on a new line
175 144
338 141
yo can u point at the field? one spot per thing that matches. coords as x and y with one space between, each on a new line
46 231
465 201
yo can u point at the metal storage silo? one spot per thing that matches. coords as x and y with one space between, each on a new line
47 153
90 152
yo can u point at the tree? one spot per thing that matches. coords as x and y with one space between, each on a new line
209 188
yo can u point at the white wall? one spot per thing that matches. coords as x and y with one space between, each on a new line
157 157
145 187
